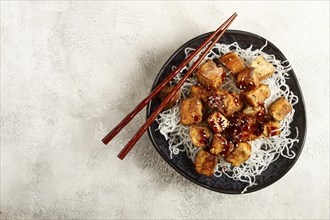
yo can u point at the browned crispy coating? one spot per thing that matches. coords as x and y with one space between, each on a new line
226 102
280 108
210 75
232 62
165 91
199 135
199 91
247 79
243 128
191 111
240 154
205 163
221 146
217 122
254 111
262 68
257 96
272 128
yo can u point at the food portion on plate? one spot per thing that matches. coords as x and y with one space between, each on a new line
233 116
235 119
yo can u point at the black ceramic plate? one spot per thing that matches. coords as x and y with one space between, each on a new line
182 164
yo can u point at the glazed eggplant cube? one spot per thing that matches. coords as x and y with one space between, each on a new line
199 135
262 68
217 122
221 146
165 91
226 102
257 96
272 128
191 111
254 111
232 62
243 128
199 91
247 79
279 109
210 75
240 154
256 131
259 113
205 163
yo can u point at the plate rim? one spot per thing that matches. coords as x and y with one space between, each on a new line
168 160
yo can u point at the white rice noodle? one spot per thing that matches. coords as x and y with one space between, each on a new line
264 150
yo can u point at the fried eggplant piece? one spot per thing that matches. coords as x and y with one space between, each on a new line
262 68
280 108
240 154
226 102
191 111
165 91
205 163
258 112
217 122
247 79
199 91
210 75
254 111
257 132
232 62
257 96
272 128
199 135
221 146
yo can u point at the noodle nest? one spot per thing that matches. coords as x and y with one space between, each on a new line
264 150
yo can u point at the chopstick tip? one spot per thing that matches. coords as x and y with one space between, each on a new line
104 142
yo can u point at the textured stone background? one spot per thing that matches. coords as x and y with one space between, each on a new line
71 70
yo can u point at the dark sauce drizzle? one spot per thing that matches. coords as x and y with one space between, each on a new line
203 137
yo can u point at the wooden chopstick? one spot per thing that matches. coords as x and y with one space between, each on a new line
145 101
153 116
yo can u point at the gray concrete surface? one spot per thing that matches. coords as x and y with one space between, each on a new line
71 70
